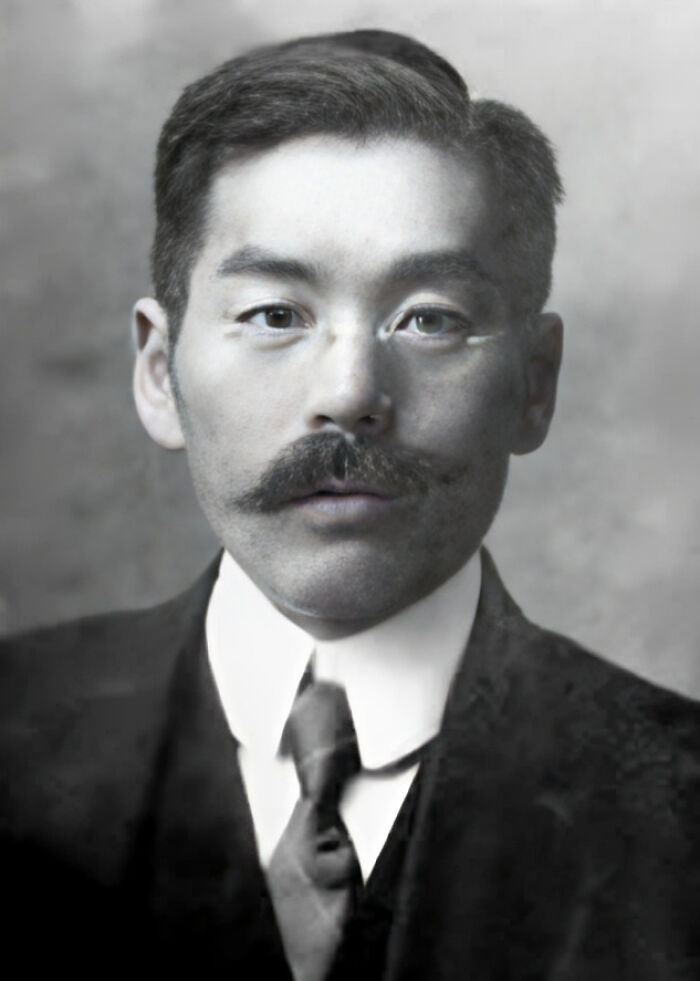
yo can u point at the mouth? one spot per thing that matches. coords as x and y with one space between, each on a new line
347 501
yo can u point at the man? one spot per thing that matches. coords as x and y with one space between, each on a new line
345 752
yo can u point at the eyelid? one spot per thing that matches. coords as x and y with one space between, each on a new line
444 309
247 314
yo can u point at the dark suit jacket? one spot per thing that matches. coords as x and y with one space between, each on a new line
555 835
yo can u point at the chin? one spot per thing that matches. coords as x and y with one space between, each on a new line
350 579
340 598
351 596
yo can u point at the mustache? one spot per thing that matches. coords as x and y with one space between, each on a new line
319 457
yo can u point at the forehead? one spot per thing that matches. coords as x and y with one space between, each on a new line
352 208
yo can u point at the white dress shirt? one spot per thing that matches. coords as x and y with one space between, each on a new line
396 675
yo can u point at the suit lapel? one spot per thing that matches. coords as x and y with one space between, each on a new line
208 903
484 834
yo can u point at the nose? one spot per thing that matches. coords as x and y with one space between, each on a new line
348 390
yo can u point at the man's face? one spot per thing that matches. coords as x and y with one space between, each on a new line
353 294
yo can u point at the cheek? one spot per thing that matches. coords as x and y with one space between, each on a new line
459 409
217 404
229 391
234 423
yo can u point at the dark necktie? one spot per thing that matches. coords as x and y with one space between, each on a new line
314 874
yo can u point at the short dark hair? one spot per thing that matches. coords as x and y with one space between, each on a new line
356 84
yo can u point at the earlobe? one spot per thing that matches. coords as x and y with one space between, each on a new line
543 360
152 384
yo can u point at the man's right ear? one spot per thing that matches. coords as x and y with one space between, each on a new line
152 384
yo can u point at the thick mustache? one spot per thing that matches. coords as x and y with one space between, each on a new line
319 457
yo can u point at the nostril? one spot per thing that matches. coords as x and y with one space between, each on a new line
370 418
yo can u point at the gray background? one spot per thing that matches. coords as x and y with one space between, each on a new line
598 536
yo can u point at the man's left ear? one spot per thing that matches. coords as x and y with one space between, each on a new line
542 361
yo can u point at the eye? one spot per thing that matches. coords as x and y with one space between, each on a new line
433 322
278 317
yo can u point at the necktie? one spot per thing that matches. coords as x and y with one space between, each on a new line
314 874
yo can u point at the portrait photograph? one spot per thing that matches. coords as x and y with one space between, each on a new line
349 512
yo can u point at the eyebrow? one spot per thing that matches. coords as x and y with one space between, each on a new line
443 266
446 265
254 260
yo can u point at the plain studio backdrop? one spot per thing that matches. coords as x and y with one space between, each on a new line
598 536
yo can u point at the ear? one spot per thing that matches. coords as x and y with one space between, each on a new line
152 385
543 359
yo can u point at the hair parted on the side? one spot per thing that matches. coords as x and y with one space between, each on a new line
357 84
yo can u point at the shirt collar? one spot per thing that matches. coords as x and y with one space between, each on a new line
397 674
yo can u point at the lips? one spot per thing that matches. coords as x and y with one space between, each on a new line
337 487
338 501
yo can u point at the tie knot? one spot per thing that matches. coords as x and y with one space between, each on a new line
320 736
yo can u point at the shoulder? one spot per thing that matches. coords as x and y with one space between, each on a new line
646 734
83 707
599 704
97 656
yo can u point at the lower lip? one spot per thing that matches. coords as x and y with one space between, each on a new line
343 508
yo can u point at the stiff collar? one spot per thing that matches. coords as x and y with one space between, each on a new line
397 674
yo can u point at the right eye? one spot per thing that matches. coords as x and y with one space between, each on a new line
277 317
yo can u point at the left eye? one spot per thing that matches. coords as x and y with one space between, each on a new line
432 322
276 317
